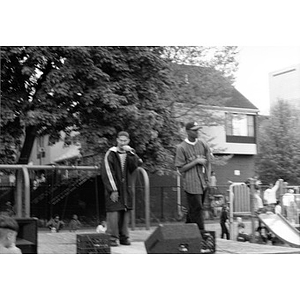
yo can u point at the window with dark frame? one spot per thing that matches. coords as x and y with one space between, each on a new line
240 128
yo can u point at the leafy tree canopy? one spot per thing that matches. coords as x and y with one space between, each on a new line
201 75
279 152
95 90
98 91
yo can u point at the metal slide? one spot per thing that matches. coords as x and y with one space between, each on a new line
280 226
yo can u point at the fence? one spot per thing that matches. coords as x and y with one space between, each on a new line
23 183
67 189
43 191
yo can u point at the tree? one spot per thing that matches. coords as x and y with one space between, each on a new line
94 90
98 91
279 152
222 58
201 76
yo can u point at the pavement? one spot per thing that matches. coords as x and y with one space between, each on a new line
65 242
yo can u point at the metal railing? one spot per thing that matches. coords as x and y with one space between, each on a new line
23 182
146 186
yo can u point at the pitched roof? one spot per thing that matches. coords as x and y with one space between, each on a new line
237 99
223 93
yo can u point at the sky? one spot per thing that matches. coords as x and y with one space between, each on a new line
255 64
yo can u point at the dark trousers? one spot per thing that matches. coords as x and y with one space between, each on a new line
117 224
224 231
195 209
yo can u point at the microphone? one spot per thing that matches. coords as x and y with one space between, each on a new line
132 151
129 149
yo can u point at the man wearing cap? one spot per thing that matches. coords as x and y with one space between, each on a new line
193 161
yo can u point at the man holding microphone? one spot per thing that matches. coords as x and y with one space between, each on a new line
119 163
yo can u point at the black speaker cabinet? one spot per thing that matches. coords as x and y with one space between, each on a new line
93 243
174 239
27 238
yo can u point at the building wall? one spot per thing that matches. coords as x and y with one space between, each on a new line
40 154
215 133
285 85
238 169
43 154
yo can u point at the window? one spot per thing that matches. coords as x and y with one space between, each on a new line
240 128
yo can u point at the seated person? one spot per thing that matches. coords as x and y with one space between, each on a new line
55 225
242 235
74 223
8 233
101 228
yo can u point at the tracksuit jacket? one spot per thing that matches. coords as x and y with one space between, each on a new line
115 179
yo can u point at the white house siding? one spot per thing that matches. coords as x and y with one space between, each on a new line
216 135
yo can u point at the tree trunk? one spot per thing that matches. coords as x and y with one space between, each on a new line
30 135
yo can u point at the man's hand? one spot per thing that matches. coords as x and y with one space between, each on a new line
200 160
127 148
114 196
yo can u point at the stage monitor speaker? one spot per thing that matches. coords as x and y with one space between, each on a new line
27 238
174 239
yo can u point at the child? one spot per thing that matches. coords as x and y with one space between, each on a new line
242 236
258 203
101 228
8 234
224 222
74 224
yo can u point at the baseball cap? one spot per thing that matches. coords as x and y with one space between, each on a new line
192 126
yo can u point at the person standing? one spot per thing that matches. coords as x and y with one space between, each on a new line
12 179
290 209
258 203
213 180
193 161
270 194
224 222
119 163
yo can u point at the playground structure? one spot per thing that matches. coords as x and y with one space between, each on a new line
241 204
23 199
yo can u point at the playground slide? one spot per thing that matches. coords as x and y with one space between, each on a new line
280 226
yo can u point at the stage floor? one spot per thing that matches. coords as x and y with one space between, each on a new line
64 242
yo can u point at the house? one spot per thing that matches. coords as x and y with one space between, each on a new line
229 126
43 154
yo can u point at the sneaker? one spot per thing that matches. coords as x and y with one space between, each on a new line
114 243
125 242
